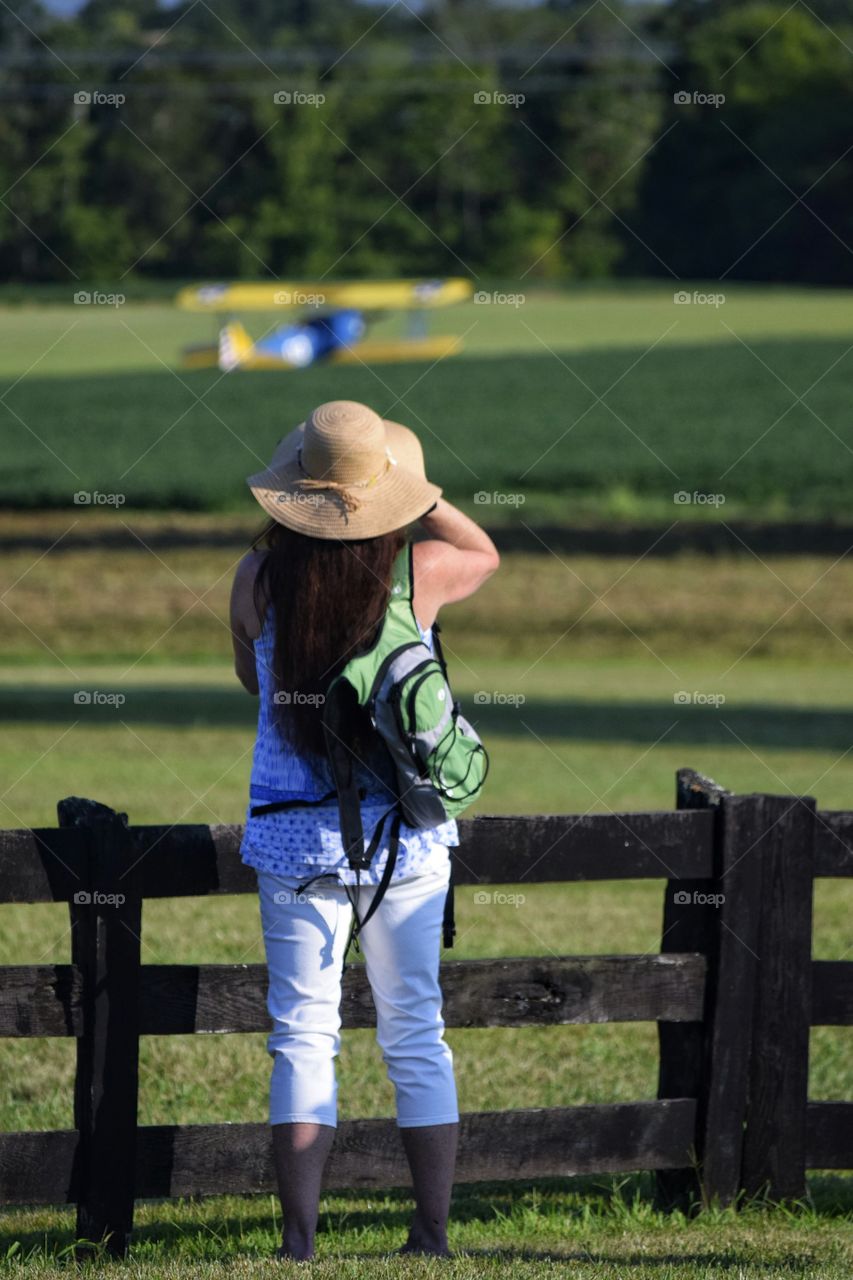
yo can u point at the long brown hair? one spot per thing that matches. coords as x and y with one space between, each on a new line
329 598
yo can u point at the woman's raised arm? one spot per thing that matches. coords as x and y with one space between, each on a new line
452 563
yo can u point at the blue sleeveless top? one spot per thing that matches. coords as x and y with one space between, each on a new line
306 841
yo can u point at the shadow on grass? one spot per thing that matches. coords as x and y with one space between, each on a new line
831 1197
203 706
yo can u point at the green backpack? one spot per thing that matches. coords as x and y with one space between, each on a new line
440 764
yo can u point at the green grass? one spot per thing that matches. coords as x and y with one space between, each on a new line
592 743
146 606
589 1228
695 398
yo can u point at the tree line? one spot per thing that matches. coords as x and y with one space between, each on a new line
267 138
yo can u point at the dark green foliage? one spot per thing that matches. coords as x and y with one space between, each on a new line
200 173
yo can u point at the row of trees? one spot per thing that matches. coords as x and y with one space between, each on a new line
311 137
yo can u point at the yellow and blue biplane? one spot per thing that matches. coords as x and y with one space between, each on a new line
331 323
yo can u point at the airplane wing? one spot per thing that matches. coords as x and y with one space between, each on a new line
413 349
370 295
232 353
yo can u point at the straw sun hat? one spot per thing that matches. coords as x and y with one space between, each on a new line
345 473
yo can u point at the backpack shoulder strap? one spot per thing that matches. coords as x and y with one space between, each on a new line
402 579
342 761
402 599
437 649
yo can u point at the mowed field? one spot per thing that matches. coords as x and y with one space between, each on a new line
591 679
578 403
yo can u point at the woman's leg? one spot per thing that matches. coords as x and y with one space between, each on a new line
300 1152
402 945
431 1153
304 936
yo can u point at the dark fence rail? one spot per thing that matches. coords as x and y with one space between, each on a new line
48 865
734 992
174 999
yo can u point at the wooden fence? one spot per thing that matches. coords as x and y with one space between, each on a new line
734 991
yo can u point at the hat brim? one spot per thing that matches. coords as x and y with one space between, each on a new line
396 499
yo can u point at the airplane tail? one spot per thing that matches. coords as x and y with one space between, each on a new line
235 346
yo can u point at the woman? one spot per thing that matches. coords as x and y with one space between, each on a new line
341 498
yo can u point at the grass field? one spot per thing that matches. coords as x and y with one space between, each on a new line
587 1228
586 709
585 404
592 680
590 1228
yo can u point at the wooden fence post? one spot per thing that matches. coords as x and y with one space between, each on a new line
710 1060
687 926
106 920
729 1035
774 1157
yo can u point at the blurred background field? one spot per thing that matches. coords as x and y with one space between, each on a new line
577 404
666 309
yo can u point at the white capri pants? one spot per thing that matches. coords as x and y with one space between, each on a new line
305 935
